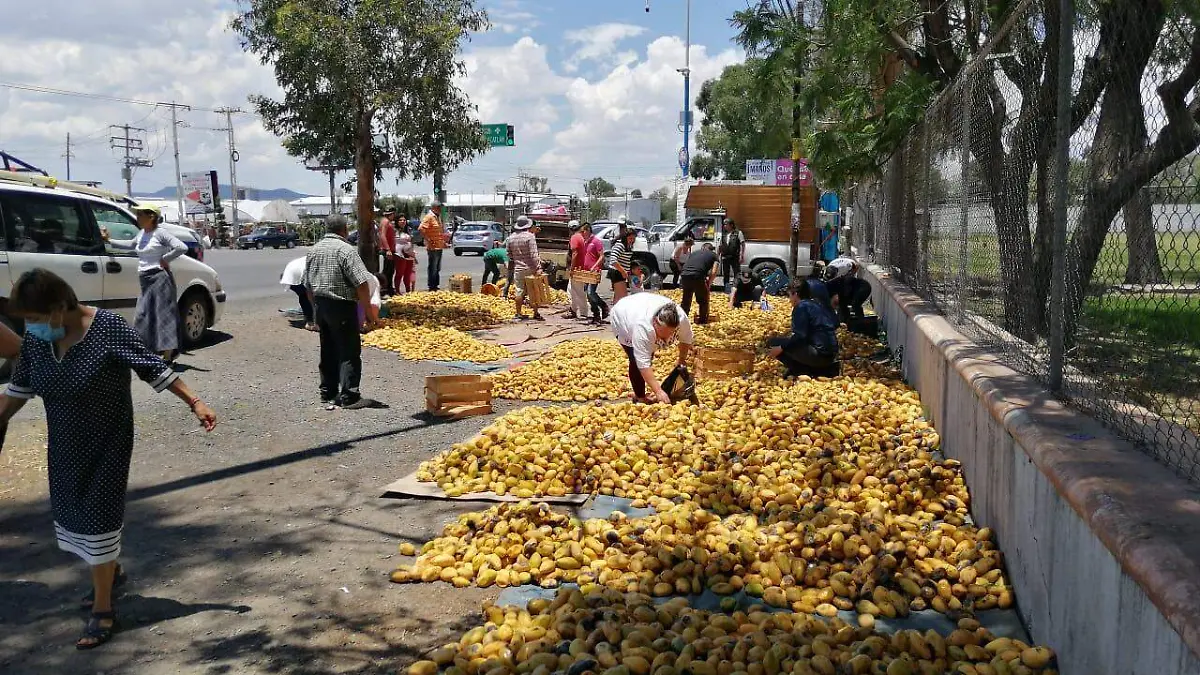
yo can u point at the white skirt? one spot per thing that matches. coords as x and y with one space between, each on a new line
95 549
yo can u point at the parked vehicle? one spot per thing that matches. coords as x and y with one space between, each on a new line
262 237
762 257
662 228
121 230
56 225
642 255
477 236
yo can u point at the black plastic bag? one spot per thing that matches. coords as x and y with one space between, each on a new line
681 386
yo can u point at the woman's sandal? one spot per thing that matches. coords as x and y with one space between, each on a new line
118 581
97 633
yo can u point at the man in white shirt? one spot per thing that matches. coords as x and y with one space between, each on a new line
293 278
841 267
643 324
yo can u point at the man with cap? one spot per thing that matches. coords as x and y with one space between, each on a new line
523 257
435 243
387 247
339 282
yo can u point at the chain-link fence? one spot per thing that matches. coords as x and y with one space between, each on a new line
965 212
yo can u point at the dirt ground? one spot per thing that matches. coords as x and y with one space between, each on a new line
262 547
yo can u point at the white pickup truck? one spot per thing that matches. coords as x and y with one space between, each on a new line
654 251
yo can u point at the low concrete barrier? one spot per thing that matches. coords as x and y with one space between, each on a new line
1101 542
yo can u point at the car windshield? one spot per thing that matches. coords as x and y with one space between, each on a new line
473 227
262 230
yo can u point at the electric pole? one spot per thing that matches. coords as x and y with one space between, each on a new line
130 145
233 160
332 170
175 140
68 155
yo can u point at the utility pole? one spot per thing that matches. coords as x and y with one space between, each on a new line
68 155
130 145
175 141
332 170
233 160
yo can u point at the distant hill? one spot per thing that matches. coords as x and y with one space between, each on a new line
227 192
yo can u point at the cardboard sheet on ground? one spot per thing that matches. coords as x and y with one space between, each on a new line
410 487
1001 622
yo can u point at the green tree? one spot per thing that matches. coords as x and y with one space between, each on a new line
873 81
355 72
596 210
704 167
598 187
743 119
669 202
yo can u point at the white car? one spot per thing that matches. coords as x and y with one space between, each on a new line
58 228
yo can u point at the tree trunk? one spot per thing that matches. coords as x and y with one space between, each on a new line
1043 240
1145 266
364 171
1115 175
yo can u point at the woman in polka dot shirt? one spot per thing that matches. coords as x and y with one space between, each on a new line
79 359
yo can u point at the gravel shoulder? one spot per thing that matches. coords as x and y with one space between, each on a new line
262 547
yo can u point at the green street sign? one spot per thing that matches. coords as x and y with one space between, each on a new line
499 135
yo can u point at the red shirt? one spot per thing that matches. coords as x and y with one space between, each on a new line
387 236
593 252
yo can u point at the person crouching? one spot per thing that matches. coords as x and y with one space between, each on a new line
643 324
812 348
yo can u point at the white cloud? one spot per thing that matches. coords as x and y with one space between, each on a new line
617 117
193 58
626 122
599 43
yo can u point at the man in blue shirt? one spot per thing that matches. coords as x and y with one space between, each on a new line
812 348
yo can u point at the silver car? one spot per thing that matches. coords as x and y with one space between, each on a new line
478 236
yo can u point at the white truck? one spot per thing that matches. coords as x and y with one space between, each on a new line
762 257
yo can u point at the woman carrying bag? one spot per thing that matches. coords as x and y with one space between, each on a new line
157 319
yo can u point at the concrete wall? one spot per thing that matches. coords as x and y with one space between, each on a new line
1101 542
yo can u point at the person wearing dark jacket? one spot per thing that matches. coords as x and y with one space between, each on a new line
812 348
850 293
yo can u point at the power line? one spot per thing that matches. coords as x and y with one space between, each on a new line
102 97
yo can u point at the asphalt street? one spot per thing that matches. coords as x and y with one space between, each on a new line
250 276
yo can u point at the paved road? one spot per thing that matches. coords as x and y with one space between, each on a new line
253 275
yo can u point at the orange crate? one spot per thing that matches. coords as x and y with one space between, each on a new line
719 364
457 396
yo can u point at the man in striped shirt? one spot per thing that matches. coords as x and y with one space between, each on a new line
435 244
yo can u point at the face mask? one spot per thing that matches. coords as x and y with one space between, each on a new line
45 332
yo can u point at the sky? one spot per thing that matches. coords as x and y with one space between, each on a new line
590 85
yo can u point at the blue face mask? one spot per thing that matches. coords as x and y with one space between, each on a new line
45 332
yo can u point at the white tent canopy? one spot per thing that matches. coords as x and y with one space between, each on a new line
279 211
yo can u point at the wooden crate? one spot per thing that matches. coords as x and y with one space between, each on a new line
717 364
537 290
458 396
585 277
460 283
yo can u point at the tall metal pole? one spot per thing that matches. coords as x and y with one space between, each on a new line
68 155
233 160
1066 63
128 169
178 175
687 93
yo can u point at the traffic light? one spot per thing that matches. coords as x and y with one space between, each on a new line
510 138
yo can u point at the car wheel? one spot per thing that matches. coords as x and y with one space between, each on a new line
259 246
291 244
7 365
458 251
765 269
193 312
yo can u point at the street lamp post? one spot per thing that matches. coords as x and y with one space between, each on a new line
686 155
